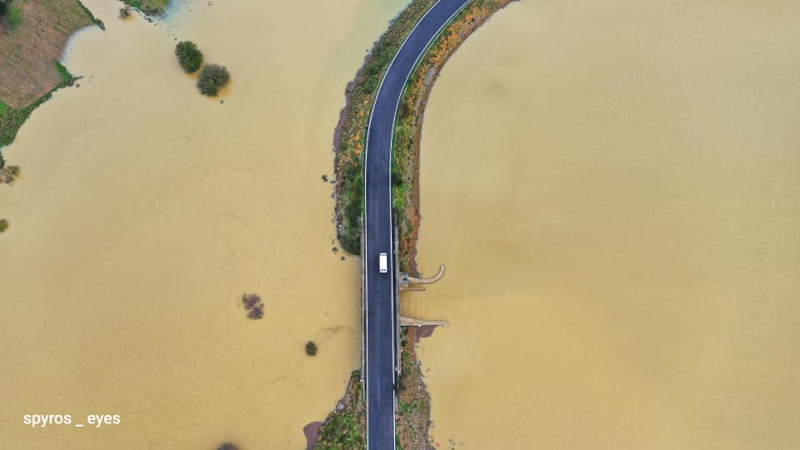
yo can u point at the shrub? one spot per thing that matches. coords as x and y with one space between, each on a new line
250 301
212 78
3 225
311 348
8 174
189 57
371 85
256 312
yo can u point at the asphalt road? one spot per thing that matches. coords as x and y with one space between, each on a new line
381 320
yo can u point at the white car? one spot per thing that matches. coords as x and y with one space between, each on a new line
383 263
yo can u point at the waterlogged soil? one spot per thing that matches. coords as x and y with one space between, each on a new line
146 210
615 190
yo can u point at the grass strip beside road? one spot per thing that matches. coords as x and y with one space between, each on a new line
351 131
410 115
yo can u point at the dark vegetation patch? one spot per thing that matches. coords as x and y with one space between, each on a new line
311 348
8 173
189 57
13 17
253 304
212 78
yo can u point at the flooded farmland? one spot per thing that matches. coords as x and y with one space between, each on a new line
615 188
146 210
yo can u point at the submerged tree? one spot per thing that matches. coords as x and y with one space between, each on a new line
189 57
311 348
212 78
8 174
228 446
250 300
252 303
257 312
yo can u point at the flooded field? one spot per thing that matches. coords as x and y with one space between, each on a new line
615 188
145 211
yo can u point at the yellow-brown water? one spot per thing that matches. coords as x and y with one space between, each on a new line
615 187
144 212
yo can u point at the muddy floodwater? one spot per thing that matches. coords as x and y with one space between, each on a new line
615 187
145 211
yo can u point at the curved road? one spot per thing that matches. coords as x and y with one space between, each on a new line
381 308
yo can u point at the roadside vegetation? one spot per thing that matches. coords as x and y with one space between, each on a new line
350 136
189 57
413 399
410 115
345 427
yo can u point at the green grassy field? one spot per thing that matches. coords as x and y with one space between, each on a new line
30 48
